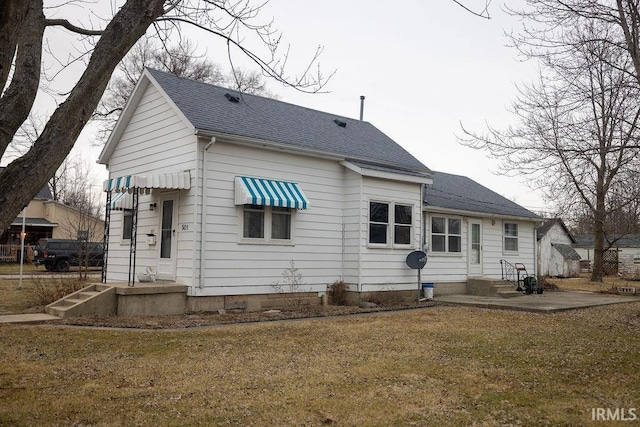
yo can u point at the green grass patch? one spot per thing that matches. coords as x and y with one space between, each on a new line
435 366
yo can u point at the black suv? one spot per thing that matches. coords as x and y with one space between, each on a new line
60 254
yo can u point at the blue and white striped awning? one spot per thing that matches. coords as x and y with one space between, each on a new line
176 181
121 201
268 192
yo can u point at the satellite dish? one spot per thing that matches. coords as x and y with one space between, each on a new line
416 260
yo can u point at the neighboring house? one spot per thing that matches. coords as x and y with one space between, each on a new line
469 229
622 255
46 218
225 192
37 226
556 255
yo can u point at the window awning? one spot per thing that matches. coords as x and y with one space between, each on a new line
121 201
267 192
175 181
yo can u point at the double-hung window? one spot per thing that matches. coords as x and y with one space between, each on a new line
510 237
390 222
446 234
266 224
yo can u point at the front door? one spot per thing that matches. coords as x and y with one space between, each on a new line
475 248
168 238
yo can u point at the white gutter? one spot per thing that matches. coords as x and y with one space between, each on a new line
203 209
477 214
277 146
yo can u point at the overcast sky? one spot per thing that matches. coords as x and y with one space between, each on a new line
423 66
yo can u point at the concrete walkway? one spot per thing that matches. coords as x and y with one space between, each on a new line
27 318
548 302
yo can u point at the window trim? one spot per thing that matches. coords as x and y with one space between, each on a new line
505 237
391 224
268 225
446 235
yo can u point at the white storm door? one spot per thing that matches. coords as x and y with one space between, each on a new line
168 238
475 248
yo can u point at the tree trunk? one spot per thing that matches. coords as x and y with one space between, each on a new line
18 98
24 177
598 234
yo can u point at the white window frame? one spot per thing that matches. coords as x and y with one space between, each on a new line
446 235
505 237
391 225
267 228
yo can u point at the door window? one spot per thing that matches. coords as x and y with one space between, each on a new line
167 229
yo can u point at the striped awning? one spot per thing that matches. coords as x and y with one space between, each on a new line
268 192
175 181
121 201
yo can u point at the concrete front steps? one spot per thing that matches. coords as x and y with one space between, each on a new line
119 299
95 299
491 288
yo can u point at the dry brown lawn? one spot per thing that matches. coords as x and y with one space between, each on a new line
433 366
583 283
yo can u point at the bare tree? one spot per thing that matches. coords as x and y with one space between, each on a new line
546 20
100 44
577 132
181 60
72 186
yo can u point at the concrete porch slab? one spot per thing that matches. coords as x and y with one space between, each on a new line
548 302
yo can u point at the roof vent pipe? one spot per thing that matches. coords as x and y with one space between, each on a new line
361 106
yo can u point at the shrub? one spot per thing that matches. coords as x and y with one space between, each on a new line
337 293
46 291
292 288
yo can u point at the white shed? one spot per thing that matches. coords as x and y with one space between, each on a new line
556 255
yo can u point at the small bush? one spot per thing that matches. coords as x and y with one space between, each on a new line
337 293
46 291
293 288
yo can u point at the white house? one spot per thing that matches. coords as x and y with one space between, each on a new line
556 255
223 192
469 230
622 254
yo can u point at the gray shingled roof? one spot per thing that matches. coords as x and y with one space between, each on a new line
566 251
546 226
43 194
461 193
628 241
207 108
34 222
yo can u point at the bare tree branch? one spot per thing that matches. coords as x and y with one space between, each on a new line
69 26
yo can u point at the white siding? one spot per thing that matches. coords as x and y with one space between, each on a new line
550 261
386 268
352 211
233 267
453 268
155 141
